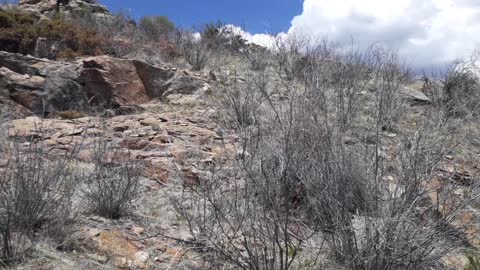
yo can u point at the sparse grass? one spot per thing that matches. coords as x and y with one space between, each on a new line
473 262
70 115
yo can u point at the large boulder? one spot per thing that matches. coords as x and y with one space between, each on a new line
413 95
184 83
155 79
112 81
45 86
40 85
115 82
12 110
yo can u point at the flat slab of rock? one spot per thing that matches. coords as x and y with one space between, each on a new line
413 94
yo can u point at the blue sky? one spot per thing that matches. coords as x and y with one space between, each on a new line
256 16
424 32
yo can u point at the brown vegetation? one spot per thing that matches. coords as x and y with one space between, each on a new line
20 30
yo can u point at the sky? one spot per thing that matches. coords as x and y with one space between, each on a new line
255 16
424 32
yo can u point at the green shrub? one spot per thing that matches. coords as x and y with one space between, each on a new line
473 262
156 27
19 32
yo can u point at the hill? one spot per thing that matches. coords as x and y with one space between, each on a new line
128 146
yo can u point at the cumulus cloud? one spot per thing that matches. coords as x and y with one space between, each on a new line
265 40
423 31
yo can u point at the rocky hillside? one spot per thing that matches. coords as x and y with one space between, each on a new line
154 113
256 160
92 83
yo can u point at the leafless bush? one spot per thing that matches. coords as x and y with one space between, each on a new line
258 57
461 88
455 90
288 56
119 33
377 203
243 231
113 186
35 195
240 100
196 50
390 76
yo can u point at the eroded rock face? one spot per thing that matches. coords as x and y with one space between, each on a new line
44 86
115 82
40 86
112 81
48 7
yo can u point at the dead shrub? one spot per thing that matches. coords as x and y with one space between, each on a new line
258 57
111 187
240 101
195 50
455 89
461 89
296 176
35 197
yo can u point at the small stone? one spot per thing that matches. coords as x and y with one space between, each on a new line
94 232
390 135
141 256
121 262
120 128
449 168
98 258
161 248
138 230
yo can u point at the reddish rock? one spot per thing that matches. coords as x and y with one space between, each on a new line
158 170
113 81
134 143
12 109
115 243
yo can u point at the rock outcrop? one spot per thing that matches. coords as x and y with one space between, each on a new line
413 95
68 8
39 85
44 86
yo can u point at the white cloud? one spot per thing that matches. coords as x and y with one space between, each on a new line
265 40
423 31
